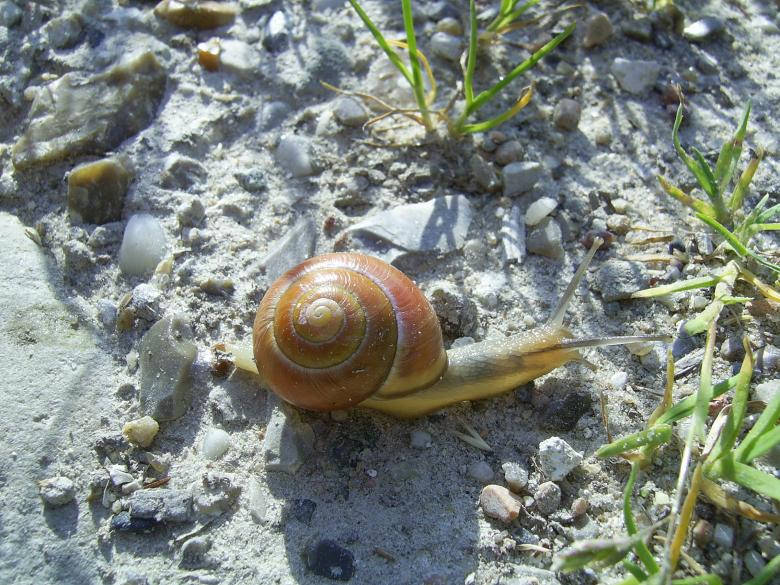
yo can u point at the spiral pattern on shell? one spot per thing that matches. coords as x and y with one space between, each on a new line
339 328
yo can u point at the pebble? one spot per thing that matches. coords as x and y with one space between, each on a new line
239 58
294 155
286 443
566 115
731 349
639 29
654 360
276 35
768 359
350 112
766 391
253 180
202 15
57 491
619 380
723 535
487 287
481 471
420 440
618 224
509 152
257 502
216 494
64 121
193 551
446 46
450 25
161 504
513 236
215 444
703 29
96 191
636 77
515 475
617 279
598 29
145 302
439 225
10 14
702 533
166 353
327 558
557 458
181 172
579 507
540 209
457 313
547 498
546 239
520 177
499 503
295 247
64 31
483 172
143 245
753 562
141 431
119 475
124 522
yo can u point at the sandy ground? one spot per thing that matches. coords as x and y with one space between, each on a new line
216 166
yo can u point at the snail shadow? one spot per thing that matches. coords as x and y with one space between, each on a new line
367 502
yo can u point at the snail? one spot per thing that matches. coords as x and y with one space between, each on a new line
343 330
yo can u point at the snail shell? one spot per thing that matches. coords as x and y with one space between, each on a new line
340 328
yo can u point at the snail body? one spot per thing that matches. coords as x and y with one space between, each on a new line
343 330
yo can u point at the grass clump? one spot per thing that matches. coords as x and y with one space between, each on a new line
724 213
506 20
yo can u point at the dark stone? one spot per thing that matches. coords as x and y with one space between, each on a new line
328 559
96 191
562 415
122 522
253 181
300 509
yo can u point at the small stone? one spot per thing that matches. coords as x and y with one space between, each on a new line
181 172
276 35
579 507
285 443
239 58
702 533
216 495
162 504
76 114
636 77
191 212
145 302
618 224
215 444
766 391
515 475
703 29
256 500
327 558
768 359
520 177
618 380
567 114
450 25
421 440
654 360
499 503
141 431
620 205
119 475
557 458
143 245
209 53
193 551
753 562
124 522
253 180
350 112
483 172
546 239
481 471
509 152
64 31
731 349
547 498
10 14
57 491
295 247
618 279
723 536
540 209
512 234
446 46
166 354
457 313
197 14
639 29
96 191
294 155
598 29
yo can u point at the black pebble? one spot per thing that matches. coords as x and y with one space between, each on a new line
124 523
328 559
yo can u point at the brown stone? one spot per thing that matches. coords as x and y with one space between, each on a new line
96 191
202 15
498 502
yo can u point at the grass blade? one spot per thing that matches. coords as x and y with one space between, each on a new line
417 82
500 119
685 199
654 436
708 579
686 512
745 178
640 548
689 162
747 476
715 494
735 244
711 185
382 42
725 168
684 408
675 287
751 446
471 60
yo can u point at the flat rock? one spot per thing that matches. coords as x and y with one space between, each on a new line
439 225
512 235
634 76
282 445
557 458
617 279
294 247
520 177
162 504
197 14
77 114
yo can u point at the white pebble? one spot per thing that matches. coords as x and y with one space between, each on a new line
557 458
57 491
540 209
293 155
618 380
481 471
143 245
215 444
141 431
